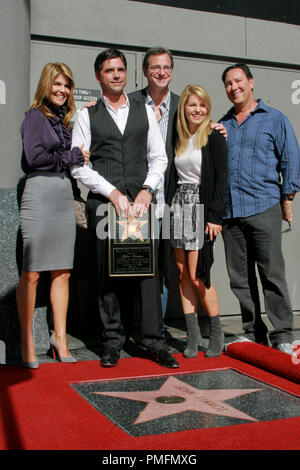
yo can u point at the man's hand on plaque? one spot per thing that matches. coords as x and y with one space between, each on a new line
141 203
120 203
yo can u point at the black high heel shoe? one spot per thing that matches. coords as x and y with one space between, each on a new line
66 359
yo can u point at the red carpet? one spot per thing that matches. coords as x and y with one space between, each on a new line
266 358
40 410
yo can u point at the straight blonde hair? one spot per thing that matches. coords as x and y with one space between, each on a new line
47 78
183 134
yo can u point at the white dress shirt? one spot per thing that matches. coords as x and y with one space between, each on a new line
163 122
156 153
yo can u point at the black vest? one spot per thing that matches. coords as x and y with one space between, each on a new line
120 159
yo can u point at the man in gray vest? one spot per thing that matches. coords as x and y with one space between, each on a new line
158 65
129 161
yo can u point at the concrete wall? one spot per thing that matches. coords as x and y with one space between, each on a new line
14 76
137 24
14 99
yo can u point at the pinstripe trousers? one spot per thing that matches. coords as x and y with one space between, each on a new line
121 299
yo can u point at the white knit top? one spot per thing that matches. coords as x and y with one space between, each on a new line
188 165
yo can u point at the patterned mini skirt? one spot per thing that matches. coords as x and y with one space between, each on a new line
186 218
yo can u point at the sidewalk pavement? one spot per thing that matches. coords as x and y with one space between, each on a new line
88 348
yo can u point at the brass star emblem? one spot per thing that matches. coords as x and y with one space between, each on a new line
132 228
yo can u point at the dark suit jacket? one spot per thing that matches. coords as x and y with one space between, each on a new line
141 95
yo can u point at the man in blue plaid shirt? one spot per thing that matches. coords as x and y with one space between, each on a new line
263 178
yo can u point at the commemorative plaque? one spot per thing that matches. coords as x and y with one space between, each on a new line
131 244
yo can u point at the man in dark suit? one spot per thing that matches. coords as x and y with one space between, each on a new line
157 67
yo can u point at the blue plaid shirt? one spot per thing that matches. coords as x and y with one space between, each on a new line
263 161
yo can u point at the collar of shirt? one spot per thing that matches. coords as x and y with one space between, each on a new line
120 115
108 105
261 107
165 105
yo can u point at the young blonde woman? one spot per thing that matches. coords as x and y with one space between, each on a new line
47 206
200 174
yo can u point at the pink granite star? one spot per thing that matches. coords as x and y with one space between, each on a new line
176 396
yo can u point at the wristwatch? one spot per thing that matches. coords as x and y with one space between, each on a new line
148 188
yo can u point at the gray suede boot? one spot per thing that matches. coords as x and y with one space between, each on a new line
193 335
216 337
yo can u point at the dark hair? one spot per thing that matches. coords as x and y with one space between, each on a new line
156 51
107 55
244 67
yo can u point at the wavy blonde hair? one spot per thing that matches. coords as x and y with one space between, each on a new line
183 134
47 78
